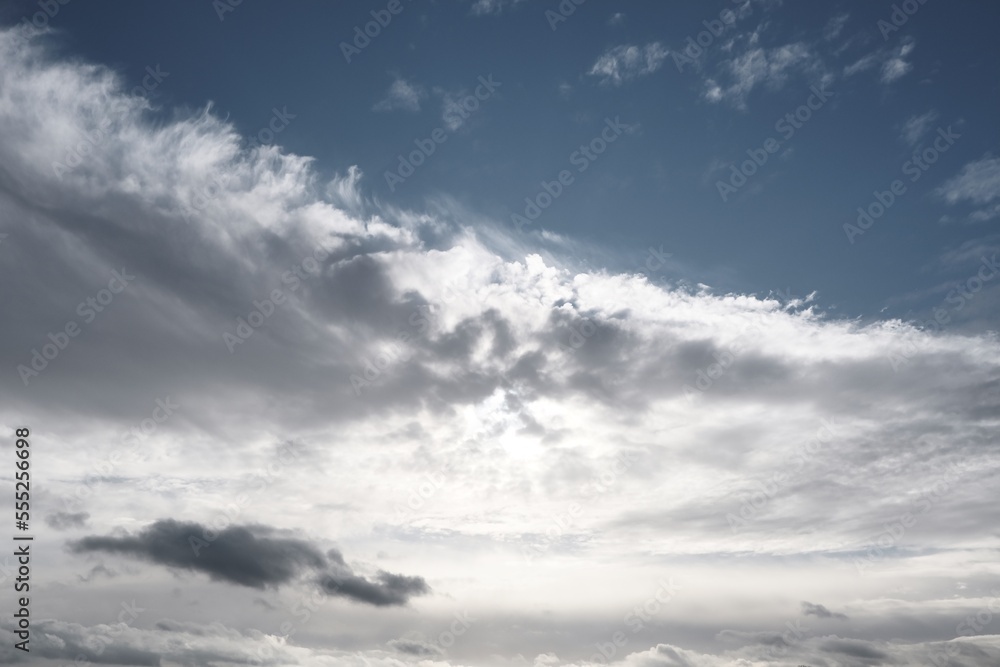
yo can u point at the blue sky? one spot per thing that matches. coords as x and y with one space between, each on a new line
492 339
782 231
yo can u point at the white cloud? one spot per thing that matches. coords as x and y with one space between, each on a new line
916 127
835 26
626 62
525 384
491 7
759 66
893 62
401 95
978 182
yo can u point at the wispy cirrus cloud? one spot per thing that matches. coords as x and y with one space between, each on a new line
891 63
755 67
626 62
916 127
525 383
402 95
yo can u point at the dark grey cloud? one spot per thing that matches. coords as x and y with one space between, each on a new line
385 590
67 520
236 555
251 556
810 609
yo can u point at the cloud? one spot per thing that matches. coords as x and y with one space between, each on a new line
491 7
758 66
978 182
249 556
893 62
401 95
518 383
239 555
67 520
835 26
810 609
387 589
415 647
627 62
916 127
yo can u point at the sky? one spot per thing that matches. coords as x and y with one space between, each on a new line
478 333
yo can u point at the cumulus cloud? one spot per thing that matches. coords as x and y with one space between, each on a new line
627 62
458 415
